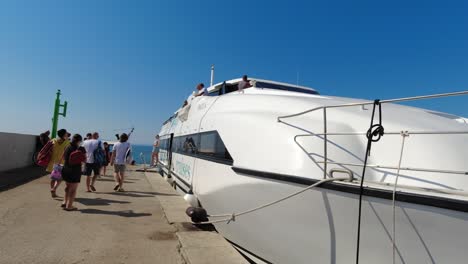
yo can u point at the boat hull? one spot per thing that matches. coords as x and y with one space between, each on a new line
320 225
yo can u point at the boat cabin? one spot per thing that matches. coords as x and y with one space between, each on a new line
232 86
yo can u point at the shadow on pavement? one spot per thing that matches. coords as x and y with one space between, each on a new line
112 180
127 213
157 193
12 178
98 201
141 194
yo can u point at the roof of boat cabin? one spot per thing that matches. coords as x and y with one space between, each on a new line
234 81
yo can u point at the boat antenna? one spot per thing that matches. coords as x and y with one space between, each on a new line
212 75
131 132
297 79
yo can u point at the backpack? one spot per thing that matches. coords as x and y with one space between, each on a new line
77 157
99 155
44 156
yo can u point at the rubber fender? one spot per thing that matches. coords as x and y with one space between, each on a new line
197 214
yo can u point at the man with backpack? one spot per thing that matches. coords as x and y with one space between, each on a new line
95 159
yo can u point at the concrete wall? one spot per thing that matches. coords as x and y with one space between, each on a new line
16 150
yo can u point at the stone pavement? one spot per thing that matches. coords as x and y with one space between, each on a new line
110 227
196 246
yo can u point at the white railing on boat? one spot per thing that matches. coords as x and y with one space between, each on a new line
401 133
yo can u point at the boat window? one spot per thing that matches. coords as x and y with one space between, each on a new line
225 88
206 145
284 87
185 144
231 88
189 145
212 145
177 144
216 92
164 144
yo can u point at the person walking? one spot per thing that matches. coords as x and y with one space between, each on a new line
59 145
44 138
118 160
155 152
92 166
108 157
71 173
41 141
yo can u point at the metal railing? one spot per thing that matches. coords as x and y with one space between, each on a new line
325 133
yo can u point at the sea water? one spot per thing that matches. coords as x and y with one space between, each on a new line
145 149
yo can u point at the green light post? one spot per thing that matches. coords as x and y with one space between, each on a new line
57 113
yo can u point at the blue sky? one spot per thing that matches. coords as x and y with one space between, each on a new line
132 63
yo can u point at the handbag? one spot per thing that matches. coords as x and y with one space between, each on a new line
56 173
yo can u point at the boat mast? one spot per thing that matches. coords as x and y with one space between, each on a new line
212 75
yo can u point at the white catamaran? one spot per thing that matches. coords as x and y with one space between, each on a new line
279 168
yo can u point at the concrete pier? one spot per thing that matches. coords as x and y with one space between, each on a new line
17 150
146 224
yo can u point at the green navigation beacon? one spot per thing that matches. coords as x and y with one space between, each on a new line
56 113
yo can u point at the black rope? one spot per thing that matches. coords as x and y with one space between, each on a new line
374 134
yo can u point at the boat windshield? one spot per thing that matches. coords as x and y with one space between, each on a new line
226 88
284 87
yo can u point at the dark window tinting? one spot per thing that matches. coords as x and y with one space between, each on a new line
164 144
225 88
185 144
283 88
212 145
206 145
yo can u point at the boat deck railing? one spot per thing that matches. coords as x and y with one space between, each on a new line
404 134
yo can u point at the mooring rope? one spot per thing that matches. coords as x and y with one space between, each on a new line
232 216
374 134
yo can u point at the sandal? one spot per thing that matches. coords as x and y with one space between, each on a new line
54 195
63 205
71 209
116 187
92 188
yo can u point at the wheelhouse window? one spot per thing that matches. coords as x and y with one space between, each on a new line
284 87
224 88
